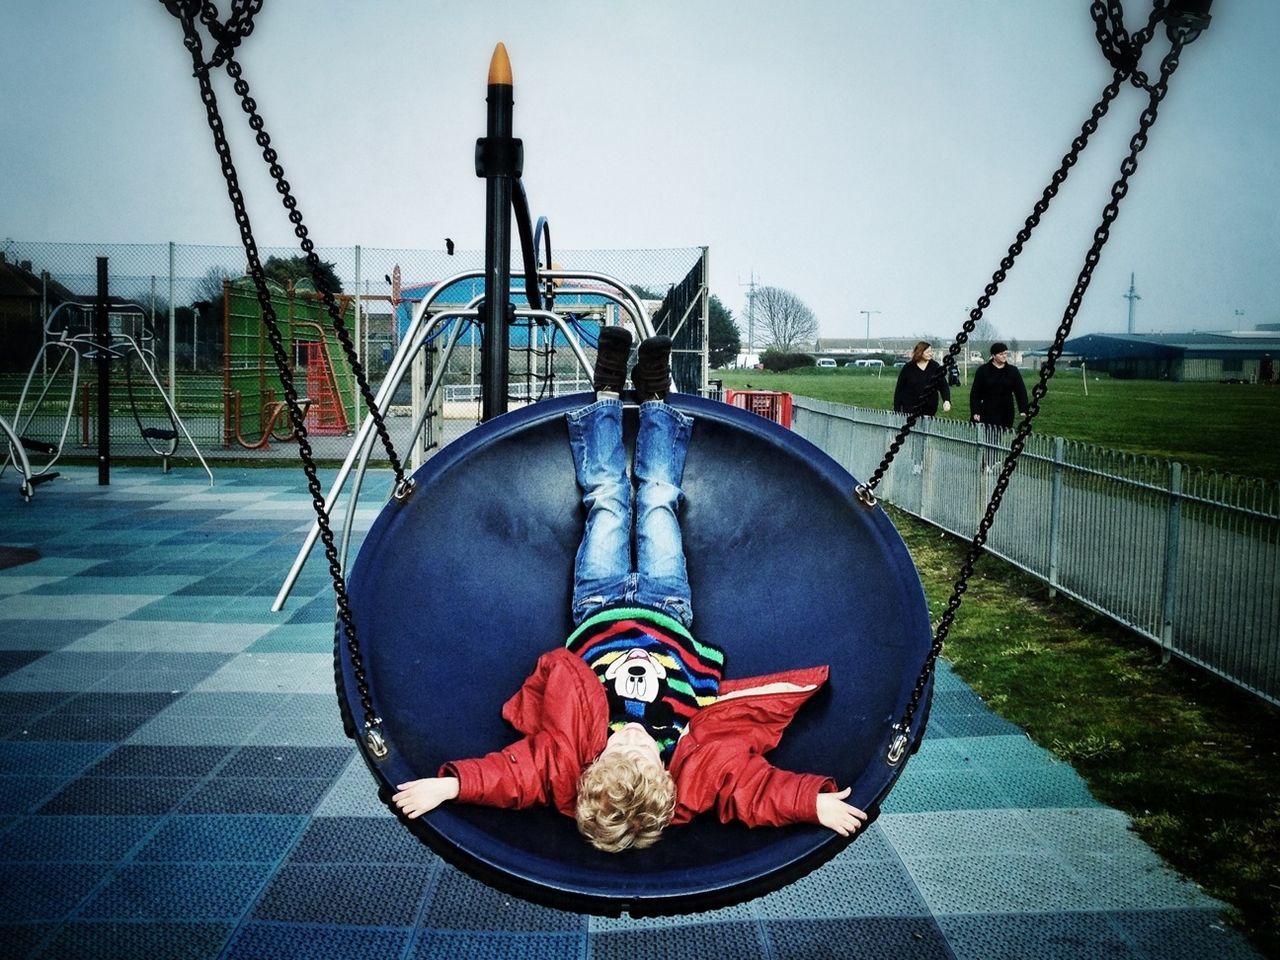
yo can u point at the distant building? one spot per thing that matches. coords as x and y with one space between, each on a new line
25 300
1235 355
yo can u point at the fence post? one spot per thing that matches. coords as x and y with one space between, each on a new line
1055 514
926 470
173 327
1172 527
360 348
102 344
979 431
705 293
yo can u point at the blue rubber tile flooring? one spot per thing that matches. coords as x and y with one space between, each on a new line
175 783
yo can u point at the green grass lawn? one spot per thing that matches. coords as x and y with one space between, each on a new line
1216 426
1191 759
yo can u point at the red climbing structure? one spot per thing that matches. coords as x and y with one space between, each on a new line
326 416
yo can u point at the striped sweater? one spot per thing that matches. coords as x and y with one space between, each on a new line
653 670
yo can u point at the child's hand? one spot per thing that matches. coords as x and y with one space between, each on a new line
422 796
834 814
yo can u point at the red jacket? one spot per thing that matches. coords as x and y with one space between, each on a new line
563 713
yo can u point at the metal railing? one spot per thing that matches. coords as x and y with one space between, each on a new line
1187 558
470 392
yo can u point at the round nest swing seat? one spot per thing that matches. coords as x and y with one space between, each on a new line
458 590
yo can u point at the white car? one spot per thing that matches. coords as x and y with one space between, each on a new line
869 363
826 363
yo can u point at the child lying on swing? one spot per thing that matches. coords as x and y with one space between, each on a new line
629 727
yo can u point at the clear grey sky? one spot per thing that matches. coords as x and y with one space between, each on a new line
866 155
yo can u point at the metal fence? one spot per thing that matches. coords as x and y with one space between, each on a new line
182 306
1187 558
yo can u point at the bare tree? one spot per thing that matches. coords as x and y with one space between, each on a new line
786 319
209 287
984 334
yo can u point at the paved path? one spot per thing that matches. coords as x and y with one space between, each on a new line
174 782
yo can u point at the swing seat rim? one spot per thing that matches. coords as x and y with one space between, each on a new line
791 853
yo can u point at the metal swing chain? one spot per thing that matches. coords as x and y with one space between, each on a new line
229 35
1178 38
865 491
191 40
403 485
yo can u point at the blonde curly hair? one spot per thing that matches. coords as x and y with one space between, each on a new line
624 804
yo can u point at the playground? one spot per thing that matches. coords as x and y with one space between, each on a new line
176 778
196 794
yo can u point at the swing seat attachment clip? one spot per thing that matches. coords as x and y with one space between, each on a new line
898 746
403 490
374 740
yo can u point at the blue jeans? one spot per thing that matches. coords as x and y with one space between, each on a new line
604 574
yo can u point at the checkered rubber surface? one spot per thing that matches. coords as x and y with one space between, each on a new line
174 782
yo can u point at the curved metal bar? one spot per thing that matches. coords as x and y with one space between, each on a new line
437 380
420 327
19 427
137 415
123 306
432 390
72 345
520 204
48 323
542 238
605 294
415 337
19 457
636 308
278 409
367 448
169 407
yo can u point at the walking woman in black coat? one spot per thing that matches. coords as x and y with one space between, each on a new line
996 387
917 380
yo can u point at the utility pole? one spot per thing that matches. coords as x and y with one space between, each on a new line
1131 296
751 312
867 314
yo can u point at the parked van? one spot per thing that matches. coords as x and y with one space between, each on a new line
875 362
826 363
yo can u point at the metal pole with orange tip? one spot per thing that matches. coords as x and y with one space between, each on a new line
499 160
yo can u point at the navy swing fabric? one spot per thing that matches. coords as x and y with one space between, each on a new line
457 592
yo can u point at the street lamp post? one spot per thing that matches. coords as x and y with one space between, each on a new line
867 314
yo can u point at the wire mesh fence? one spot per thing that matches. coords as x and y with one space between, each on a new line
1187 558
199 348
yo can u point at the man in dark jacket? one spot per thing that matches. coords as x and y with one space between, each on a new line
996 385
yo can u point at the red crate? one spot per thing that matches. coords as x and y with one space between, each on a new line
767 403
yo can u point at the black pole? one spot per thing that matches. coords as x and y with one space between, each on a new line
102 332
498 160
